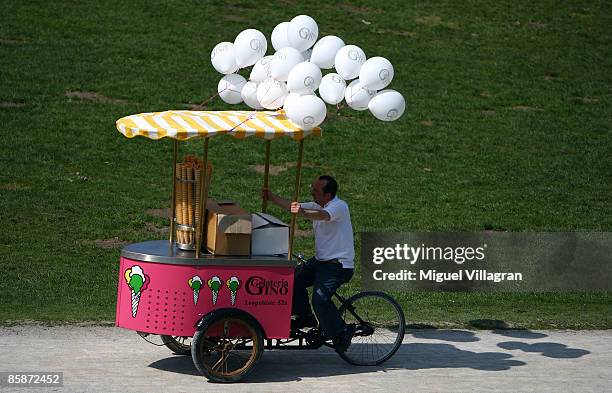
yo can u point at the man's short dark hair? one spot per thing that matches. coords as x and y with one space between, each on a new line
331 185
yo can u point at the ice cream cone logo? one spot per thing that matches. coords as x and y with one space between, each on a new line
138 281
215 285
195 283
234 285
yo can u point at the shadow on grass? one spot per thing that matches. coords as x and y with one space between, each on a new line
488 324
502 328
286 365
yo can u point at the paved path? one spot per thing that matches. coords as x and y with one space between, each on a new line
106 359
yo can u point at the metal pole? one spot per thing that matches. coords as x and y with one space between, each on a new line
264 203
201 230
173 204
296 196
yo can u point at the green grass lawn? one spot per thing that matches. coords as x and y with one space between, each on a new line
507 128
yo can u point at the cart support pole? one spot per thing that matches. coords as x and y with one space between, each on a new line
296 196
201 229
173 203
264 203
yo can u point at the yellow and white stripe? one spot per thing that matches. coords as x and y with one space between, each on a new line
183 125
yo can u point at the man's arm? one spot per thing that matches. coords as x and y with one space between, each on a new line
294 207
310 214
268 195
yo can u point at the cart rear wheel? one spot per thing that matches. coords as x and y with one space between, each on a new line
227 345
380 326
177 344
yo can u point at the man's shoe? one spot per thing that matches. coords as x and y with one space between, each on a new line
343 341
304 322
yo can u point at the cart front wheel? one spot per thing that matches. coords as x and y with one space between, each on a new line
227 345
177 344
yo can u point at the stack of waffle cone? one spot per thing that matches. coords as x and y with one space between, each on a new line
190 199
179 203
188 207
198 207
185 201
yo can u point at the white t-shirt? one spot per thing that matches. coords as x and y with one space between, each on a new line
333 238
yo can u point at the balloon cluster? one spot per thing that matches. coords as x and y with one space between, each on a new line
290 77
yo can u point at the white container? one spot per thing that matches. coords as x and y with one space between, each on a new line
269 236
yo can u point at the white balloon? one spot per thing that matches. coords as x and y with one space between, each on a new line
249 95
304 78
348 61
261 70
376 73
357 96
292 99
302 32
271 93
387 105
279 36
250 45
284 60
307 112
289 101
307 54
332 88
230 88
325 50
223 58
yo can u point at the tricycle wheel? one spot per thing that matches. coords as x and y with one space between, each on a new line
177 344
227 345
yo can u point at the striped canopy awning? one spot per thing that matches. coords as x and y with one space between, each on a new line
183 125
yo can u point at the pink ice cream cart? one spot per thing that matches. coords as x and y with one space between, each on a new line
224 309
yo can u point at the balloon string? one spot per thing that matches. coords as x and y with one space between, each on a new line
206 101
251 116
201 106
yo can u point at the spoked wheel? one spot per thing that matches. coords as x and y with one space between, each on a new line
177 344
380 326
227 346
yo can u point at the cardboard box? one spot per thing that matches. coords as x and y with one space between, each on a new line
270 235
228 228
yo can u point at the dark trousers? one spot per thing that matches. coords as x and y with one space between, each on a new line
325 278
